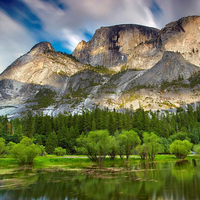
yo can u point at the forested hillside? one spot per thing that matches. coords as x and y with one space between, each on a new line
63 130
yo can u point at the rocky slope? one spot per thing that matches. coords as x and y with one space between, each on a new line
163 72
110 46
42 65
141 47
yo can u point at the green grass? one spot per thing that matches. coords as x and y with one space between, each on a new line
61 162
81 162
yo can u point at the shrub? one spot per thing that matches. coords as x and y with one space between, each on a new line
59 151
25 152
180 148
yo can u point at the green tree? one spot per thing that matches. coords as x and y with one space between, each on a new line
152 141
142 151
179 136
128 140
9 148
95 145
180 148
51 142
17 130
28 126
25 152
165 145
42 150
2 146
197 149
113 146
194 135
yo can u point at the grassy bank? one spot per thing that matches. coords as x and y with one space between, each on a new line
81 162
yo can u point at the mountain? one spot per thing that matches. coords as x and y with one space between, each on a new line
141 47
42 65
122 66
110 46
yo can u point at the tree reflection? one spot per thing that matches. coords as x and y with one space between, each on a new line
145 181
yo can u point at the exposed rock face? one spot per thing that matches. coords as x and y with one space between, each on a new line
141 47
171 67
42 65
181 36
41 47
110 46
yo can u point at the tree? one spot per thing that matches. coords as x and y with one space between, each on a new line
194 135
142 151
113 147
180 148
51 142
28 126
179 136
95 145
165 145
25 152
152 142
197 149
9 147
128 140
2 146
42 150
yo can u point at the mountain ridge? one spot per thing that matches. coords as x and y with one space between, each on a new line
160 70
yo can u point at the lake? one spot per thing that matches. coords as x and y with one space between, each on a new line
162 180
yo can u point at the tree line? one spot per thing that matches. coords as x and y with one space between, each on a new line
66 131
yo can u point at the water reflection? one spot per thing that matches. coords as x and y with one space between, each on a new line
179 180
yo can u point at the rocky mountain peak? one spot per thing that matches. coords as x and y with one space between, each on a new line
42 47
185 25
110 46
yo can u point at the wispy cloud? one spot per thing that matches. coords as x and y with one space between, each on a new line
70 21
14 38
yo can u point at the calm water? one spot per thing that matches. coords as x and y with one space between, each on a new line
145 181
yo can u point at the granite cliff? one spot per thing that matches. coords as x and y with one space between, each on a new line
141 47
111 46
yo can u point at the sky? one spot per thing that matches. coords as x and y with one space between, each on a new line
64 23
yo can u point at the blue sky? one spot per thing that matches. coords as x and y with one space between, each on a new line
64 23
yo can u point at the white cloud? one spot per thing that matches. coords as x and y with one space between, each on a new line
174 10
87 15
68 26
15 40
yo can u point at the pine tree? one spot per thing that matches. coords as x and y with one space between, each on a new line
51 142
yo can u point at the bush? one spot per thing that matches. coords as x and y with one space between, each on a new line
59 151
180 148
25 152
